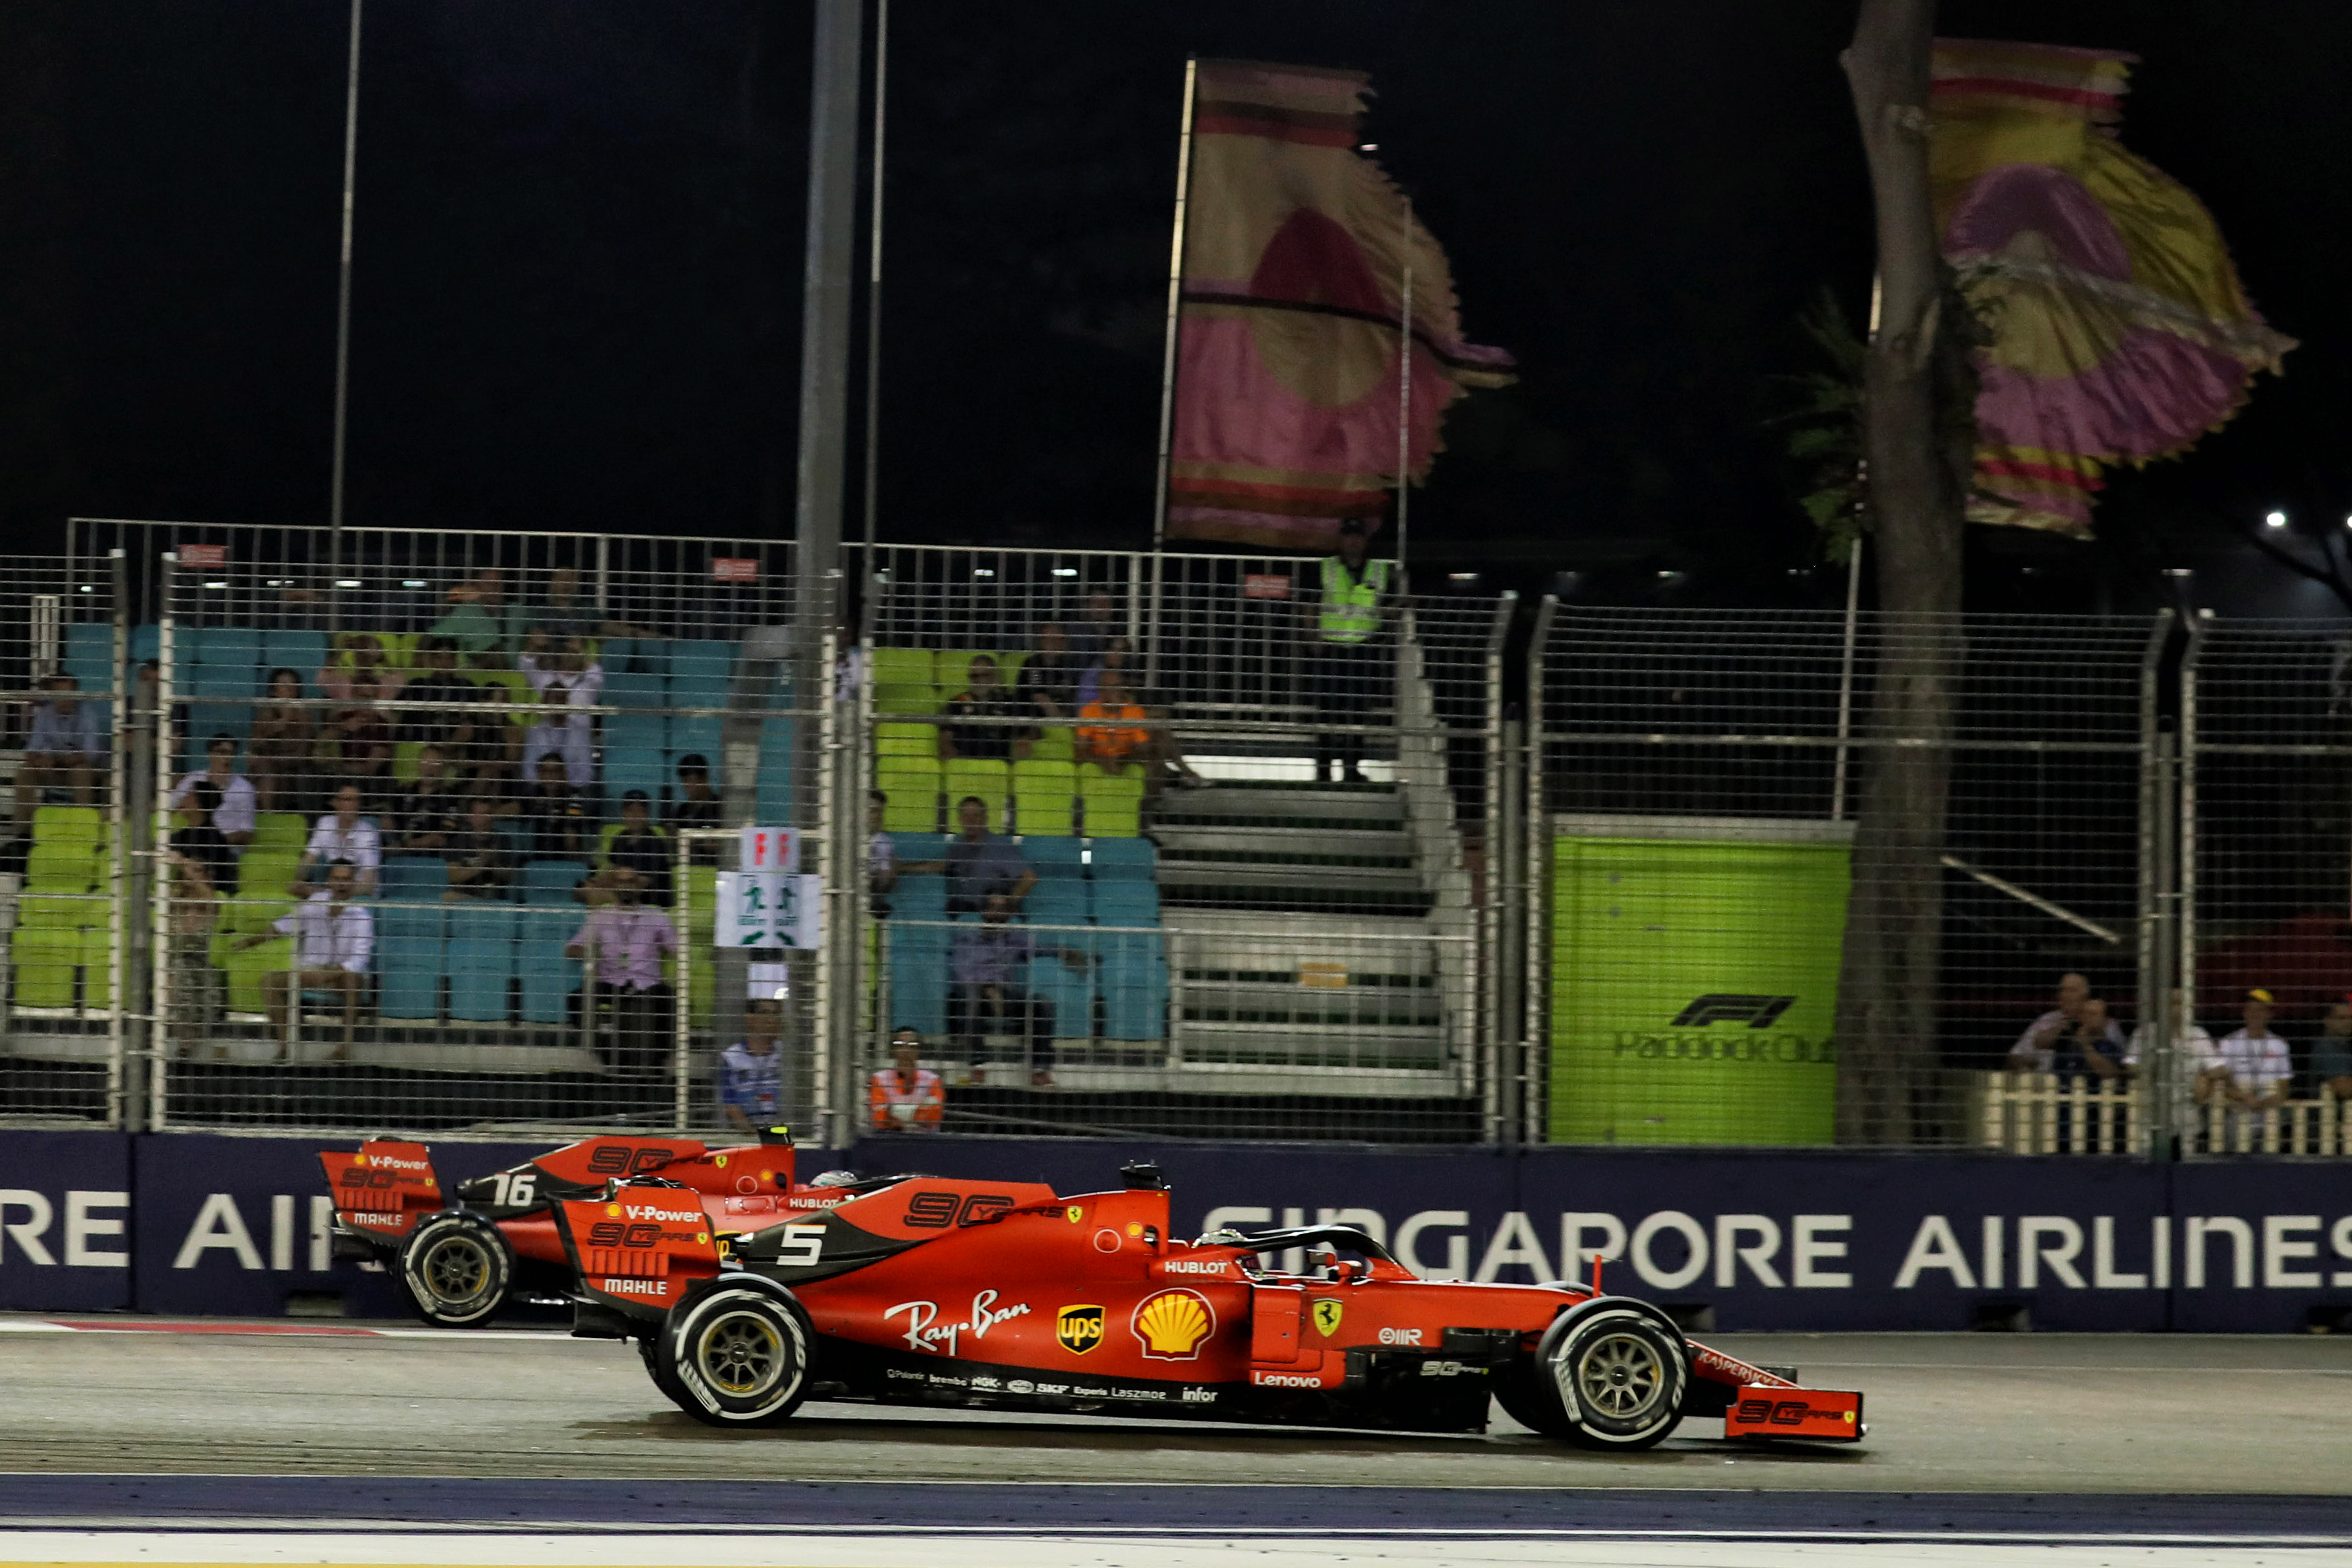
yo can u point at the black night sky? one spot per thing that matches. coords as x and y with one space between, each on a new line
579 249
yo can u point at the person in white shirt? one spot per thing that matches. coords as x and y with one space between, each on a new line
2197 1069
572 737
344 835
2258 1063
333 940
216 814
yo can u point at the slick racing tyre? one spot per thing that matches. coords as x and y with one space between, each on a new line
456 1267
1610 1375
735 1356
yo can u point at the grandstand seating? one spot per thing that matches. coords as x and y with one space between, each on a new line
1097 883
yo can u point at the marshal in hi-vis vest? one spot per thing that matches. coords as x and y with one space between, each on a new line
1352 604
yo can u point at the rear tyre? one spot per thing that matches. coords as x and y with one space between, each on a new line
456 1267
1616 1373
735 1356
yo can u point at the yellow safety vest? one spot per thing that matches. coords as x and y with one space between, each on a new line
1351 608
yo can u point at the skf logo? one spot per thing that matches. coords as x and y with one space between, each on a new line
1730 1007
1328 1314
1080 1329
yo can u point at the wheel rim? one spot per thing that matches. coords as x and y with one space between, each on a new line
1619 1375
457 1271
741 1355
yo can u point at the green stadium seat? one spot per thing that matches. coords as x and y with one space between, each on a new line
912 786
1045 797
904 681
984 776
44 960
1113 800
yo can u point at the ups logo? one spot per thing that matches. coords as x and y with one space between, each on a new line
1080 1329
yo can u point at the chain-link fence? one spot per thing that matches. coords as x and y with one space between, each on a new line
1131 845
63 866
1718 910
1182 845
450 855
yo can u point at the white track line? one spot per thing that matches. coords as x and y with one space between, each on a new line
1076 1549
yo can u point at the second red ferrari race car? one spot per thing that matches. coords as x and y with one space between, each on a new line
462 1254
914 1289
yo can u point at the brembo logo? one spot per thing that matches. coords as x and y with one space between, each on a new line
1730 1007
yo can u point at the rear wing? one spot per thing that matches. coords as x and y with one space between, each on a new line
384 1189
638 1249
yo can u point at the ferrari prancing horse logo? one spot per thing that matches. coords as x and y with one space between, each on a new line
1327 1316
1080 1329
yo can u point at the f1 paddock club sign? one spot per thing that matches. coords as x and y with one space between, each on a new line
195 1224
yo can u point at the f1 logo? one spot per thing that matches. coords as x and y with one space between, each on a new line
1731 1007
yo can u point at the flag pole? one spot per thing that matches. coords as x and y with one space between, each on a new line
1404 390
1168 363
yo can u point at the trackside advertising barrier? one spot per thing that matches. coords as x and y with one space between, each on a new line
190 1223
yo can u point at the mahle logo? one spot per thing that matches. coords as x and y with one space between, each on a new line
1732 1007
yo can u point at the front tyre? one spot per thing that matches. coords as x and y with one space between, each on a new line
1617 1372
456 1267
734 1357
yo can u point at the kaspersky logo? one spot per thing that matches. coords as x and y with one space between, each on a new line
1732 1007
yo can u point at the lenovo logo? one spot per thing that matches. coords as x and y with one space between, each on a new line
1729 1007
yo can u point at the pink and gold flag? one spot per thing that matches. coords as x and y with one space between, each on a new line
2120 332
1296 252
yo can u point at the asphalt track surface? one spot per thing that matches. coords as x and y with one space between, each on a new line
257 1444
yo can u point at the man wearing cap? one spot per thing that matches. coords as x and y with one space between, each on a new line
2331 1055
2258 1062
1347 664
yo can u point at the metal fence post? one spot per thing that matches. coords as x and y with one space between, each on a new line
159 837
1494 1058
121 1102
1534 998
2184 797
2155 888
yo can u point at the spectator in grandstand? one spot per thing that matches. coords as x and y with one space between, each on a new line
2091 1048
564 682
464 736
979 865
2331 1055
562 620
479 863
639 850
2197 1069
981 717
1122 730
629 940
342 835
66 747
356 744
284 742
2259 1067
477 620
428 814
553 823
361 660
214 814
906 1096
1048 682
752 1071
196 983
2036 1049
1116 655
1348 673
985 995
696 805
1096 630
881 855
333 939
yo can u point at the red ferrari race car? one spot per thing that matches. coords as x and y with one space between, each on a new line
461 1256
1004 1295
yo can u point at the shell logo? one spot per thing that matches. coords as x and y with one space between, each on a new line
1135 1227
613 1210
1174 1324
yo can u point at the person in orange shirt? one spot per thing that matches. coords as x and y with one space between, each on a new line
1117 735
904 1097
